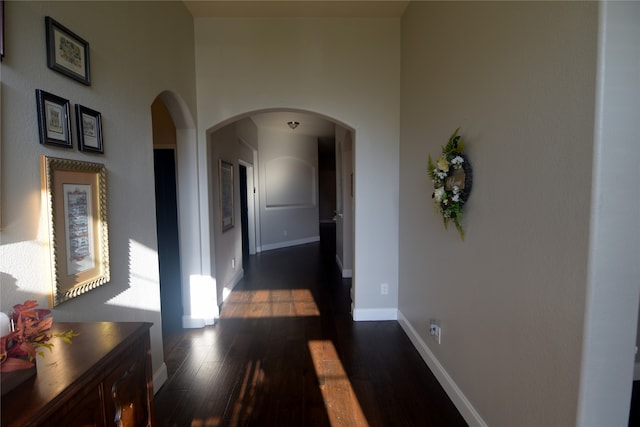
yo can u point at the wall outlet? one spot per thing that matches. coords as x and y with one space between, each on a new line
384 289
435 331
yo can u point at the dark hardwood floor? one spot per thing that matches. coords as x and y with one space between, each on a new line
286 352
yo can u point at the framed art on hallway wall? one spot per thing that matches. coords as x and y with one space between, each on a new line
54 121
75 196
89 127
67 53
225 178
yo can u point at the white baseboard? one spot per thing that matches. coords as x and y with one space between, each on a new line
289 243
461 402
160 377
234 281
347 273
374 314
189 322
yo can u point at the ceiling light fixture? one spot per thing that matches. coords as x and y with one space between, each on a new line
293 124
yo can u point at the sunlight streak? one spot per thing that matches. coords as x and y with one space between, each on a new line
208 422
203 296
270 303
244 405
143 291
340 400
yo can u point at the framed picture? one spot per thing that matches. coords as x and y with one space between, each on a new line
1 30
54 121
89 124
67 53
75 194
226 195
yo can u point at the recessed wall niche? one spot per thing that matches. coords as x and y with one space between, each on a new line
290 182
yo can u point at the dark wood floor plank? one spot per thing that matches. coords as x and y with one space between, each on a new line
285 352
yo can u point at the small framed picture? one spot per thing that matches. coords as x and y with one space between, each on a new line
67 53
54 122
89 125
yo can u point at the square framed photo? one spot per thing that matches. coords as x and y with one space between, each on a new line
67 53
75 194
89 125
54 121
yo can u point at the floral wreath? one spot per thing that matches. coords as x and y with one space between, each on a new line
452 179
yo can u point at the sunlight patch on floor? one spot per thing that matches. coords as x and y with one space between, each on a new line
270 303
340 400
245 403
208 422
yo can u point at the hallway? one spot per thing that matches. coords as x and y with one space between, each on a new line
285 352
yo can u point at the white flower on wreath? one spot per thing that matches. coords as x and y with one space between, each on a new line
457 161
438 194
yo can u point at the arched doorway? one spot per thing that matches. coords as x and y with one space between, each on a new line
288 184
174 131
164 155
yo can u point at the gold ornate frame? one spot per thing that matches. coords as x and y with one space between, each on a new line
75 196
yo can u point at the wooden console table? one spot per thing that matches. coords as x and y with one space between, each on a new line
102 379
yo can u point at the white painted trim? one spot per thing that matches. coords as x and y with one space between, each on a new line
189 322
347 273
234 281
237 277
280 245
374 314
461 402
160 377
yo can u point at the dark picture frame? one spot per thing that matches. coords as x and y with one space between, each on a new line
1 30
67 53
75 196
54 120
225 178
89 127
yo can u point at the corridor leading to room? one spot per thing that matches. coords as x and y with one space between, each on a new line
286 352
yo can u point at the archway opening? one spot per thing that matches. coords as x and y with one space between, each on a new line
301 166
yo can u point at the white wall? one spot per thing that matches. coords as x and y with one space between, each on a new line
288 188
614 271
232 143
345 69
519 79
133 59
344 204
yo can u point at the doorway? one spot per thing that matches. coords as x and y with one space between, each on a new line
168 243
244 215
